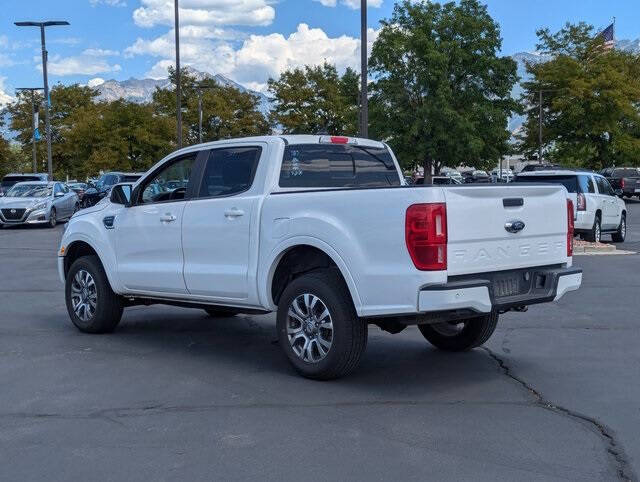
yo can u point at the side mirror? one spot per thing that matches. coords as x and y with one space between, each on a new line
618 192
1 194
58 194
121 194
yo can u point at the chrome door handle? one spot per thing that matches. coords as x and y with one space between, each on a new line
233 213
167 218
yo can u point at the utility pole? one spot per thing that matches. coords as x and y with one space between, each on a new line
35 109
364 95
178 92
45 55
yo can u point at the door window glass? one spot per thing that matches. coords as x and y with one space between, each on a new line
170 183
603 186
229 171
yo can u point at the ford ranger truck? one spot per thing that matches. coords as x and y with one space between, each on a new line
323 231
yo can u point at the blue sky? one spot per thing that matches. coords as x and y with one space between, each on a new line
247 40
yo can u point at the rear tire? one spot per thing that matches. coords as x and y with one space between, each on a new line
87 283
620 235
318 327
461 335
595 233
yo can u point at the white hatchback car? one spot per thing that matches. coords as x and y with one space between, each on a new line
598 211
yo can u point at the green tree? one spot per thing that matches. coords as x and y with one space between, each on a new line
441 93
227 111
591 101
315 99
118 135
65 101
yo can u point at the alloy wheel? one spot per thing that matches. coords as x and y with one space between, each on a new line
84 296
309 328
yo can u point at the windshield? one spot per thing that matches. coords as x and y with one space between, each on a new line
29 190
8 181
626 172
107 180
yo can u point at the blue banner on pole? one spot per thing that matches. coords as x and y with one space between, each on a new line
36 134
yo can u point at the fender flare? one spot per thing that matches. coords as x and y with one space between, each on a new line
102 256
274 257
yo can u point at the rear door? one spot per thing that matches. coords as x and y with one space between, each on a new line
220 228
480 222
610 218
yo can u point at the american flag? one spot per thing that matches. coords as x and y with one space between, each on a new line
608 37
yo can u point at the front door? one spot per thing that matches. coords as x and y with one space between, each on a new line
220 232
148 234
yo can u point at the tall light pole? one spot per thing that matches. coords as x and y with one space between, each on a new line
42 26
178 91
364 95
34 108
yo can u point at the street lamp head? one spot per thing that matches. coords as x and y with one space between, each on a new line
41 24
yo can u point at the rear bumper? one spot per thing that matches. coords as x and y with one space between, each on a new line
500 290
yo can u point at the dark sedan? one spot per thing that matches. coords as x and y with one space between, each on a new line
103 186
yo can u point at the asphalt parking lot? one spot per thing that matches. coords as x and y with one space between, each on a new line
176 395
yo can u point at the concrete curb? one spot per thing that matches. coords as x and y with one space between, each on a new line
594 248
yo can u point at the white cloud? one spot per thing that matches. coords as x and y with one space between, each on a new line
205 12
110 3
4 97
100 53
89 62
352 4
258 58
95 82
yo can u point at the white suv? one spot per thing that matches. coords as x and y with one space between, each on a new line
599 210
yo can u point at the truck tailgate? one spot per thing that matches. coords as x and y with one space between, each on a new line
477 222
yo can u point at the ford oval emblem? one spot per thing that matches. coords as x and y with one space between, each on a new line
514 226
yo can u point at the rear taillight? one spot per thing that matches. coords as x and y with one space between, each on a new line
582 202
621 183
570 227
426 236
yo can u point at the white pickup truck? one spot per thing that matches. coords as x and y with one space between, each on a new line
323 231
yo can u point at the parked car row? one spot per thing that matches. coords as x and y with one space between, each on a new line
33 199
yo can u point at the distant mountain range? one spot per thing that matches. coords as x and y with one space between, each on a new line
141 90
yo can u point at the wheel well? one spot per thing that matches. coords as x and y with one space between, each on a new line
296 262
598 213
77 250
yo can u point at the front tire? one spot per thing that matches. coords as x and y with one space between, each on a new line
460 335
92 305
318 327
53 221
620 235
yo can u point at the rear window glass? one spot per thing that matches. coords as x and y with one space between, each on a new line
318 165
628 172
570 182
8 181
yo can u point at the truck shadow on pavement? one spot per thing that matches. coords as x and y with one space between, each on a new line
394 367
